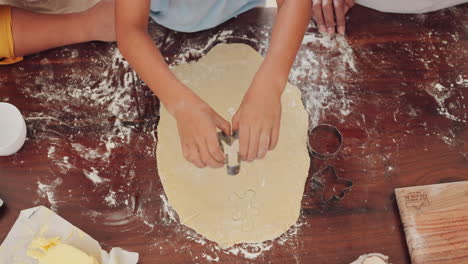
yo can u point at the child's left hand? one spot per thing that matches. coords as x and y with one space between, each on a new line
258 119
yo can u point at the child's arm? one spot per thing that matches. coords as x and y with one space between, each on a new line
258 117
196 121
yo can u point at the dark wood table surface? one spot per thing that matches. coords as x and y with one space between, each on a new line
396 86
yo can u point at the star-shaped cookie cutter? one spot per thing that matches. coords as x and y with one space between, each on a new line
335 197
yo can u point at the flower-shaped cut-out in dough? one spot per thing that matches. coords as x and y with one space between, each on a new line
245 208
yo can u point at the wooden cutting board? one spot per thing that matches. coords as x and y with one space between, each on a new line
435 218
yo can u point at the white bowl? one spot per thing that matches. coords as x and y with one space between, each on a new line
12 129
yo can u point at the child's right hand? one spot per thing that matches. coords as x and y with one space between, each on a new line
197 124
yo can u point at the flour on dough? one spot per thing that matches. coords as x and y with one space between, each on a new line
263 201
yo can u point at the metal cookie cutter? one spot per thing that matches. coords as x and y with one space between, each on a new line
230 147
330 130
336 197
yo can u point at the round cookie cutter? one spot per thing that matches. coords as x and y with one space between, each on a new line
329 129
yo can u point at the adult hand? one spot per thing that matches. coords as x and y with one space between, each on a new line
330 15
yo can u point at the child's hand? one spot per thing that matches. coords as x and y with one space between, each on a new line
258 120
330 13
197 123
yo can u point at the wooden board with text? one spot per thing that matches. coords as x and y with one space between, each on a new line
435 219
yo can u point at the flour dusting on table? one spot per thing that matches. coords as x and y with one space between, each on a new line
48 191
71 145
323 58
93 176
440 94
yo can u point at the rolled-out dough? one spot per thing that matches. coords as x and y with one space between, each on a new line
261 202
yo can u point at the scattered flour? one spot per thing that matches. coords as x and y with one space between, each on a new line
441 93
110 94
89 153
250 250
111 199
411 230
197 52
462 81
432 61
194 51
169 215
113 99
245 250
51 152
210 258
93 175
324 58
292 233
48 191
65 165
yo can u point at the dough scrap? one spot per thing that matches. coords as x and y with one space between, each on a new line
263 201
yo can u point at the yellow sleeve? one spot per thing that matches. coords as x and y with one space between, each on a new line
7 47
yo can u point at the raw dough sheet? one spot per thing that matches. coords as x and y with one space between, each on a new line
263 201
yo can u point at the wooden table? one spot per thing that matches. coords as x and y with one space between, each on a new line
396 87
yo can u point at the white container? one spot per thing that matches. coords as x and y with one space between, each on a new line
12 129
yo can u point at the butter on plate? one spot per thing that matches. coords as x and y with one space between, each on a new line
41 236
53 251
